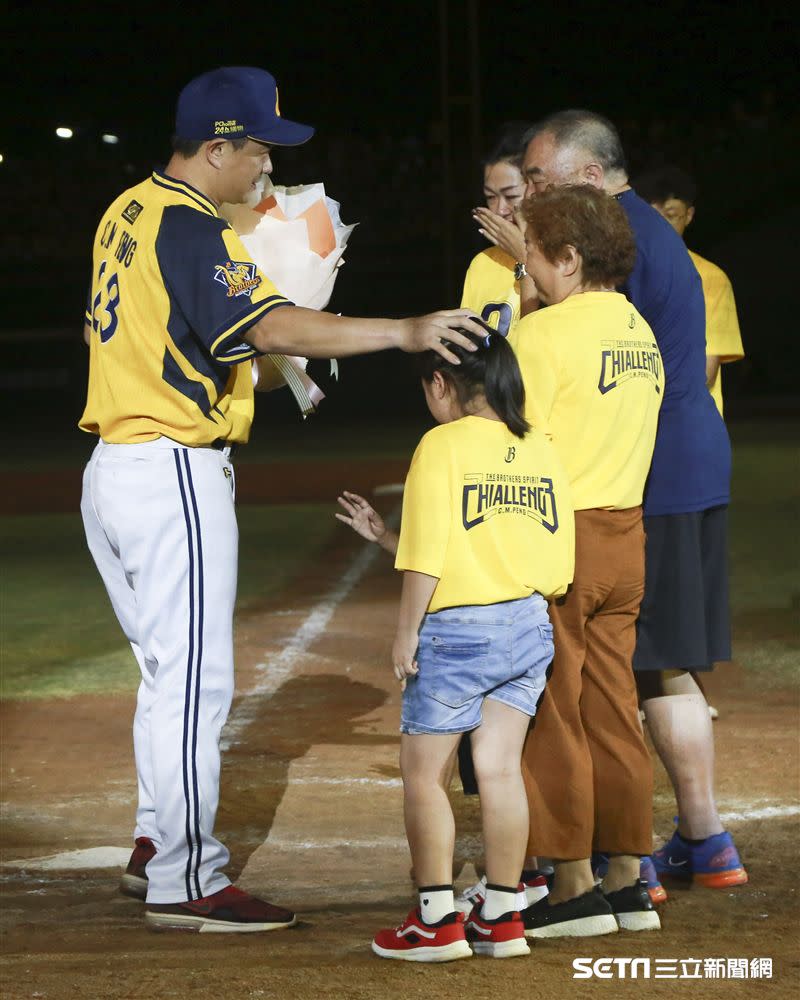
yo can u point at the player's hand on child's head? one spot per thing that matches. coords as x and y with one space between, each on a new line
404 651
434 331
502 232
361 516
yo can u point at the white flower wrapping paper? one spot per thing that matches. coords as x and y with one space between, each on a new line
298 243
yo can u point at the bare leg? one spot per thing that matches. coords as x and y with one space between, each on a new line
623 870
497 754
681 731
426 763
572 878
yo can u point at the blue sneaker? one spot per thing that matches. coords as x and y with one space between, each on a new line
714 863
647 874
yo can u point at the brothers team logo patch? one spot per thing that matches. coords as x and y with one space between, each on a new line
239 277
485 496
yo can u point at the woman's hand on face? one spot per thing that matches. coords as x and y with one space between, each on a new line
503 233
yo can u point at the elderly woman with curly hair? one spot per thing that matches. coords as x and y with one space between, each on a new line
594 382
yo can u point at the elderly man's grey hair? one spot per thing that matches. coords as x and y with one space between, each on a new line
579 129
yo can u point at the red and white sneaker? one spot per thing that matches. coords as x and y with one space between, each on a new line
416 941
229 911
534 888
503 937
472 898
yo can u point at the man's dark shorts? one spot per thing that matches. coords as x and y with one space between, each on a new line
684 620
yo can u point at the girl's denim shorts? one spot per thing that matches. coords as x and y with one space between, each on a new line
466 654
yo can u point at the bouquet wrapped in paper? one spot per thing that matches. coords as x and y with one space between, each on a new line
296 237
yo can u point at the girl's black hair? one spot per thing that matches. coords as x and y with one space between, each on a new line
492 370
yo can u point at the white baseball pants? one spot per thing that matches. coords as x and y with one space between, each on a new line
160 524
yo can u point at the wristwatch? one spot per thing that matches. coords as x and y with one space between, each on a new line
519 271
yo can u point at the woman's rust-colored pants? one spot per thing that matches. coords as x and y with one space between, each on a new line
587 770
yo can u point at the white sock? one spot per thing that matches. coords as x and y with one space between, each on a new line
435 902
500 899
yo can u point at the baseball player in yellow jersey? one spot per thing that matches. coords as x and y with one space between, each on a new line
496 285
176 314
672 192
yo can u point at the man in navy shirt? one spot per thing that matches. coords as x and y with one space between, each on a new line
684 622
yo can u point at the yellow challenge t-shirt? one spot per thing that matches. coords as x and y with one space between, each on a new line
594 382
491 291
487 513
173 293
723 337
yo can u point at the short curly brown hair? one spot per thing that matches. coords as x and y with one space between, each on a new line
588 219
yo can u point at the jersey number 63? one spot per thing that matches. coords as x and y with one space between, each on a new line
104 305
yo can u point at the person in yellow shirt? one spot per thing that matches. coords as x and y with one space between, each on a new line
672 193
486 537
496 285
594 382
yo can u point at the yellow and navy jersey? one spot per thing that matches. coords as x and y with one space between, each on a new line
594 382
491 291
488 513
723 338
173 293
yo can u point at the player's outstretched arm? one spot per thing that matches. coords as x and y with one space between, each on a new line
362 517
312 334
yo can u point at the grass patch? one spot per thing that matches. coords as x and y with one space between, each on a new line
58 634
776 662
765 551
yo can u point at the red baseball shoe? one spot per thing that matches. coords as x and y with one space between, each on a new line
229 911
416 941
134 881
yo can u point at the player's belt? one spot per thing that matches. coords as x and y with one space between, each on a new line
221 444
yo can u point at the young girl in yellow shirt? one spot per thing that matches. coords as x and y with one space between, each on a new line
486 537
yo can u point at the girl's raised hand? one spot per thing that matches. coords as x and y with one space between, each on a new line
361 517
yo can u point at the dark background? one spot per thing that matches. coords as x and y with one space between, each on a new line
396 92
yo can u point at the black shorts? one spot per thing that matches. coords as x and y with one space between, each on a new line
684 621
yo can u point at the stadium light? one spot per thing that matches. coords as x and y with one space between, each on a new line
110 140
63 132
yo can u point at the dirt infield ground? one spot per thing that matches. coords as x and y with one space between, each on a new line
311 810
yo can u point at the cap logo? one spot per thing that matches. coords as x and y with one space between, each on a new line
277 105
228 127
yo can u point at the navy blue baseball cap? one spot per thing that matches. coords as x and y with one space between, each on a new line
236 102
